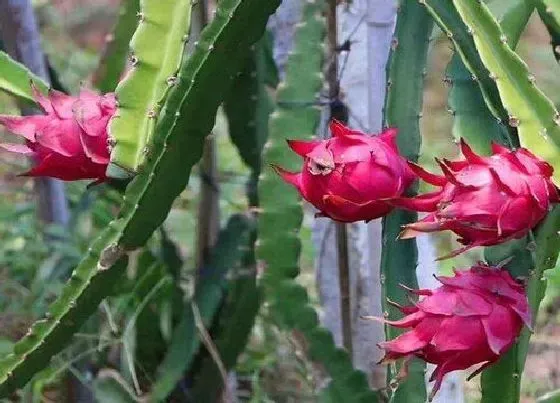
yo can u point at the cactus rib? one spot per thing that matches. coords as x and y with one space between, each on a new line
15 78
447 18
529 110
156 50
248 106
195 97
402 110
114 57
549 11
471 118
280 213
189 113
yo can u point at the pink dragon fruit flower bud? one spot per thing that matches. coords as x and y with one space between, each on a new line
69 141
473 318
351 176
484 200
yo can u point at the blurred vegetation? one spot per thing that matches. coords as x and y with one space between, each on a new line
32 270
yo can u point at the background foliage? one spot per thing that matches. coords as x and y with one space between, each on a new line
126 347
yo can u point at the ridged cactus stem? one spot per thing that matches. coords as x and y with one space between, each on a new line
406 71
115 55
529 111
156 51
280 213
177 143
549 11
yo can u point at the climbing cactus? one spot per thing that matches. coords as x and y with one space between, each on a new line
167 103
399 258
15 78
175 147
529 110
156 51
472 120
549 11
114 58
280 212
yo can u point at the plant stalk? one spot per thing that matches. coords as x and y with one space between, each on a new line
341 230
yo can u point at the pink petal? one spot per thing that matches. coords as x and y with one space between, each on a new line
439 372
26 126
61 104
411 320
424 203
339 130
452 178
455 302
302 148
17 148
498 148
350 148
61 136
469 154
41 99
455 166
413 340
389 137
94 140
502 327
459 333
501 184
427 224
321 155
428 177
67 168
293 178
458 251
407 310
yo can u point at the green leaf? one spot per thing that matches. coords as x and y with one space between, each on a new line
208 296
16 79
157 48
237 319
399 257
549 11
113 61
108 387
79 299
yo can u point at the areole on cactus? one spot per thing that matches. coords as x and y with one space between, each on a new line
484 200
351 176
472 318
69 141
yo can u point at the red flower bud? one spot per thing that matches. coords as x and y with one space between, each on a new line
473 318
69 141
351 176
484 200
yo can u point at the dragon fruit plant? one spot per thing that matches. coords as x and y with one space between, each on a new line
150 130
